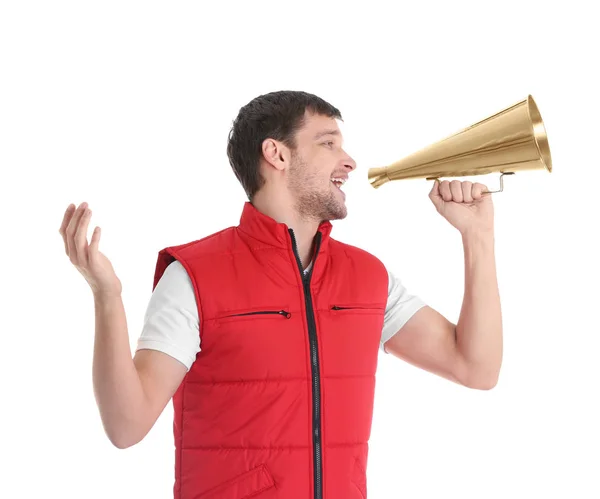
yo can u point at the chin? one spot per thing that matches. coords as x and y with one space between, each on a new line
338 213
322 206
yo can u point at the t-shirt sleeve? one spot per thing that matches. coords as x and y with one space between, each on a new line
401 306
171 323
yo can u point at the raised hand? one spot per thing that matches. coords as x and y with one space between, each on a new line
87 259
464 204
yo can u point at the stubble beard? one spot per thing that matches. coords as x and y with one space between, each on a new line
311 201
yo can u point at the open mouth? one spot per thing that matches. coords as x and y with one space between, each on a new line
338 182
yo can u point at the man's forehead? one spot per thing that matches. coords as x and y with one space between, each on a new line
319 126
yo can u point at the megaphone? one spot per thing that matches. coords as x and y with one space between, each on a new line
508 142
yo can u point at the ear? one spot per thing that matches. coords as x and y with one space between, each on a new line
276 154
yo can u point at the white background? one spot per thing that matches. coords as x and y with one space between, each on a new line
127 105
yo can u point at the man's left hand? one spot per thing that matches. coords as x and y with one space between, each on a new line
464 205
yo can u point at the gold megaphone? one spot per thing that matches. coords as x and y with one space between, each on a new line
510 141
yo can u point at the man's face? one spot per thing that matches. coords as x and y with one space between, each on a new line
319 168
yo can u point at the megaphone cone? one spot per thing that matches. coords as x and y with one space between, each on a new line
510 141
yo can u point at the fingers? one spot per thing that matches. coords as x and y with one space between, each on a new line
456 191
467 192
461 192
80 237
478 190
445 191
71 230
65 222
93 248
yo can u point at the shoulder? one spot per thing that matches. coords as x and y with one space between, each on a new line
174 288
355 253
204 246
192 251
174 274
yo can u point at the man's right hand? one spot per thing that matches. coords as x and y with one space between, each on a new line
93 265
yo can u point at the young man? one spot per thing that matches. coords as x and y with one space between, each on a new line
266 335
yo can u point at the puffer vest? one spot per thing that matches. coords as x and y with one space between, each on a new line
278 403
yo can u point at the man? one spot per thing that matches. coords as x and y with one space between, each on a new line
266 335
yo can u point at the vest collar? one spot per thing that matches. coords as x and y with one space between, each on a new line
267 230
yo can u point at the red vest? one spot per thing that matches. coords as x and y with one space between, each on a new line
278 403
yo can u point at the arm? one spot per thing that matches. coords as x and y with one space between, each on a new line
470 352
130 393
479 329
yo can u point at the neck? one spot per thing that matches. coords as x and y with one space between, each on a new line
304 229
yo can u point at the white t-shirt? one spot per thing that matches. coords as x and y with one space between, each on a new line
171 323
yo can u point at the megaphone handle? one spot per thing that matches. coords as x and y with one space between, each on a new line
485 192
501 183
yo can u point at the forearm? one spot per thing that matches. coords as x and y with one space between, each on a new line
117 386
479 328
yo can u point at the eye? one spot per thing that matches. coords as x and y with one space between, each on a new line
330 143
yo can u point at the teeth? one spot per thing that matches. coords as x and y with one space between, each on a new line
340 180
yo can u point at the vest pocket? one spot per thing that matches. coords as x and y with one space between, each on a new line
274 312
357 308
283 313
248 484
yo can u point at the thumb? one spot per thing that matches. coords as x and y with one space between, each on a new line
95 240
435 196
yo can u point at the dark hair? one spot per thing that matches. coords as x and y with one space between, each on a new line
277 115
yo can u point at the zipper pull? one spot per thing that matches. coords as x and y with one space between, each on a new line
287 315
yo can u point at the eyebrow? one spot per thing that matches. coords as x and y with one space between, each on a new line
326 132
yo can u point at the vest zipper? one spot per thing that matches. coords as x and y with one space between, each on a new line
316 378
285 313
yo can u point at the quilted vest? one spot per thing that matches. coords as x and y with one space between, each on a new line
278 403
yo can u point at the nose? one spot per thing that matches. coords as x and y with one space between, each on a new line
349 163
